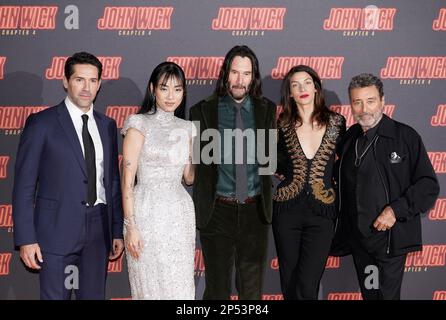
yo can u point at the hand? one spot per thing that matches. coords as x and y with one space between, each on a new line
279 176
133 242
385 220
118 247
28 254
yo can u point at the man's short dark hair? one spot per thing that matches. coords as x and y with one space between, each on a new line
82 58
366 80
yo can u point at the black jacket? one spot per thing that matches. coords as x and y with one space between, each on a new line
292 164
408 179
206 175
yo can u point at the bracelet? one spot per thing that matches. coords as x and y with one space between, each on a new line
130 222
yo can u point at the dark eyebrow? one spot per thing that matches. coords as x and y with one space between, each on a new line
309 78
78 77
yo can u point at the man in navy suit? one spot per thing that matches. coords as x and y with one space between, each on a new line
67 207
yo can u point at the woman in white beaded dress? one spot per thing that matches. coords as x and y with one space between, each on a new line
159 215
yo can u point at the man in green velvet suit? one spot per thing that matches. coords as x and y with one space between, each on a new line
232 195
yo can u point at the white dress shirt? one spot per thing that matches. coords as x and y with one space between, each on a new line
76 116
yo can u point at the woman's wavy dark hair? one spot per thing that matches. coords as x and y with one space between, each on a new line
290 114
255 88
164 71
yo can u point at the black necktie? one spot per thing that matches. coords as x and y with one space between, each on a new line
90 161
241 177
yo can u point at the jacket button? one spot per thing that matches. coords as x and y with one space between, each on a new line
83 203
85 181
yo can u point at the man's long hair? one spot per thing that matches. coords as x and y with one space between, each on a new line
255 88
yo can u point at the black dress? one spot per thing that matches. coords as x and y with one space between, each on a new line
304 210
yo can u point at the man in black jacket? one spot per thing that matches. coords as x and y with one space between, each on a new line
385 182
233 199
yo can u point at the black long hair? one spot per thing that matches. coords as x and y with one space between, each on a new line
290 114
255 88
164 71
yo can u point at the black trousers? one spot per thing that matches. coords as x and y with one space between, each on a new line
234 235
303 241
390 272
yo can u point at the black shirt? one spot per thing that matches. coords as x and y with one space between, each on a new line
359 173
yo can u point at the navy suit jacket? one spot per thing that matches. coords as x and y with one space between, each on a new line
50 182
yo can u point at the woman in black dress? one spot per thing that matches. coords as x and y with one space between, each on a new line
304 202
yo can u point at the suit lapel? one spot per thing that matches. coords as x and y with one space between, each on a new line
261 119
210 113
260 116
353 133
70 132
103 132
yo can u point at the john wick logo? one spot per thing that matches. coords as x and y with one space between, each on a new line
199 70
264 297
120 113
439 295
115 266
439 24
438 160
13 118
326 67
272 297
110 68
332 263
431 256
344 296
5 215
25 20
360 21
136 21
199 263
4 166
249 21
2 67
346 111
439 211
5 260
414 70
439 119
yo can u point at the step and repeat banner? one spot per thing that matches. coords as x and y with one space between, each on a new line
403 42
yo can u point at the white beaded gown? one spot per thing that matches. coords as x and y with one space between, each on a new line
164 211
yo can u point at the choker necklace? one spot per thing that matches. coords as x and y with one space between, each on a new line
358 159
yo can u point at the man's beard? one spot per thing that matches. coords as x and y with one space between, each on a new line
370 124
239 95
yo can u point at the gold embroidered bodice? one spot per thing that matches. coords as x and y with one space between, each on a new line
313 171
